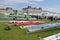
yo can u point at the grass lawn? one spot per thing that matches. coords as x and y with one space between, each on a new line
20 34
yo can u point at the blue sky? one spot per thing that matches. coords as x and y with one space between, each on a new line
51 5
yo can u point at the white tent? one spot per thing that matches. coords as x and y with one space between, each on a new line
53 37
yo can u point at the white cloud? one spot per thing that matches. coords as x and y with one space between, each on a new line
12 2
53 9
38 0
1 5
15 3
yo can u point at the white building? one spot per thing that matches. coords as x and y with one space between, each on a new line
6 10
19 12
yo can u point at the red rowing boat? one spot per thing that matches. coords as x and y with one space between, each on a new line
26 22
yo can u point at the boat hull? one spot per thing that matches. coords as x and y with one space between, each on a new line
26 22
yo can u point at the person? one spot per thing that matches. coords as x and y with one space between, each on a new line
7 28
39 38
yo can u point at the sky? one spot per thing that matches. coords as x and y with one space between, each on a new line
50 5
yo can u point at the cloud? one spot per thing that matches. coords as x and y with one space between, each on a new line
53 9
16 3
13 2
1 5
38 0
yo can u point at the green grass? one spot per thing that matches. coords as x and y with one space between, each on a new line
20 34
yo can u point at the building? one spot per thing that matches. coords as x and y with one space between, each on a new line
19 11
7 10
15 11
29 9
